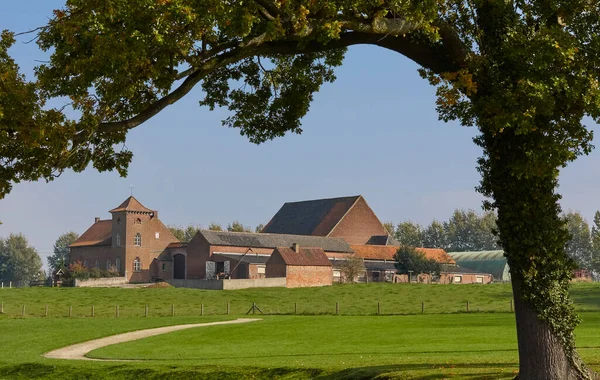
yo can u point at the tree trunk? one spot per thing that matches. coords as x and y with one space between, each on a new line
541 354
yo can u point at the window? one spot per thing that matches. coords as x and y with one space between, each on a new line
164 266
457 279
260 269
337 273
97 264
479 279
85 263
157 235
118 220
108 264
137 265
118 264
137 240
138 221
118 240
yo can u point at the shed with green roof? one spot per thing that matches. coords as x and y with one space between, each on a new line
492 262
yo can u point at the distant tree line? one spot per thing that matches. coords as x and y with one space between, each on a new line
467 230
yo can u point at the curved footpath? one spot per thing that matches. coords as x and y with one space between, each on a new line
78 351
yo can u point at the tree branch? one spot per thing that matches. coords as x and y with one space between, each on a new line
448 56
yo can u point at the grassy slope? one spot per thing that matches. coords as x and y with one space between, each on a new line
400 347
358 299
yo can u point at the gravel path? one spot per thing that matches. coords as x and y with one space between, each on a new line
78 351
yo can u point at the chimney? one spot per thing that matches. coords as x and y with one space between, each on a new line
296 247
96 220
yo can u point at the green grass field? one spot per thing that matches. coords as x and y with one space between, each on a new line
354 345
355 299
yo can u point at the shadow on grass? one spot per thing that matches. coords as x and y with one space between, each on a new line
98 371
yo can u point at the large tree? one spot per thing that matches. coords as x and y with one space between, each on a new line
579 247
410 259
524 72
60 256
19 262
409 233
469 231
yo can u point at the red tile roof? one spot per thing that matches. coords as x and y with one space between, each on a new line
131 204
306 257
98 234
387 252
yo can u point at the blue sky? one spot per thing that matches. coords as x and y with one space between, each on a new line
373 132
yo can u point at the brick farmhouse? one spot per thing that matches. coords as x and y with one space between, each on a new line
323 232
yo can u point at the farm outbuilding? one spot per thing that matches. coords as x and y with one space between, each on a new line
301 267
492 262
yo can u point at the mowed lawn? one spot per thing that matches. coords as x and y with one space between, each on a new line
354 345
353 299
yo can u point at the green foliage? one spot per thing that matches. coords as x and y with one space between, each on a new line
409 234
408 259
215 227
19 262
389 227
184 234
579 246
60 258
238 227
259 228
467 231
435 236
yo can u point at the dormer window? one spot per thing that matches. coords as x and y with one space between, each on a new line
118 240
137 240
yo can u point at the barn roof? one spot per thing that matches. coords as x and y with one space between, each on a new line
492 262
131 204
387 252
250 258
263 240
315 217
99 234
305 257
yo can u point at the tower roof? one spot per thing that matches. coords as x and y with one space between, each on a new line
131 204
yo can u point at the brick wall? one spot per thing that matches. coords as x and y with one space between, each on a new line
305 276
359 224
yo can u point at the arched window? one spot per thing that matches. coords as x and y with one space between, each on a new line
118 264
118 240
137 240
108 264
137 265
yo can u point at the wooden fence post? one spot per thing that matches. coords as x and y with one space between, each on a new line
378 308
70 310
295 308
172 310
337 308
146 311
23 311
2 308
511 306
10 284
93 311
228 308
46 311
117 311
201 309
467 306
422 307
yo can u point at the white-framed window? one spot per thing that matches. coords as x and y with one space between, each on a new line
157 235
137 240
260 269
479 279
118 264
118 240
137 265
337 273
457 279
108 264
